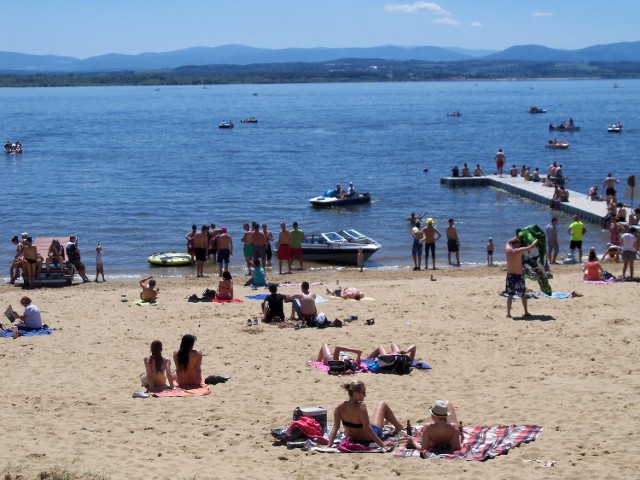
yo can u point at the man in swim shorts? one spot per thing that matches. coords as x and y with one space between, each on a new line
284 247
453 244
73 257
247 246
225 250
515 279
501 158
429 236
201 249
609 187
297 237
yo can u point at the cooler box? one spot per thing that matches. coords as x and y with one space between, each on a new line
317 413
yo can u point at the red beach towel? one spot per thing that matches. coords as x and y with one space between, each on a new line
183 392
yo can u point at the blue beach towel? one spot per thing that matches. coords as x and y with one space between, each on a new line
24 333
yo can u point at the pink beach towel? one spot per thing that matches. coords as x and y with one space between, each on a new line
233 300
184 392
325 368
483 443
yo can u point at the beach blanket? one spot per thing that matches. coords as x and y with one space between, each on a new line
24 333
296 284
233 300
553 295
182 392
417 364
262 296
142 303
483 443
609 281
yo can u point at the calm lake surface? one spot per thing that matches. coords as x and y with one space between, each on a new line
134 167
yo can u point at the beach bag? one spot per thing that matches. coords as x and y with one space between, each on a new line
398 364
341 367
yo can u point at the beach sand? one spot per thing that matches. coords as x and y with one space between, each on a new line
573 369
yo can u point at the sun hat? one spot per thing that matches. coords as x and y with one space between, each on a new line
439 409
429 220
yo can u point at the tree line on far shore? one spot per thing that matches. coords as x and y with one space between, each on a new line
345 70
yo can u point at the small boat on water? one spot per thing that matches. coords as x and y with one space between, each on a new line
225 124
536 110
169 259
615 128
328 201
338 247
557 144
249 120
454 114
563 127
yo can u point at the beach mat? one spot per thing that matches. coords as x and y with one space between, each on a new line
200 391
233 300
482 443
24 333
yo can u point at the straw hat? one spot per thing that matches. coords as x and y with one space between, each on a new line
439 409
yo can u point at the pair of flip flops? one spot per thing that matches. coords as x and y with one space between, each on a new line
251 322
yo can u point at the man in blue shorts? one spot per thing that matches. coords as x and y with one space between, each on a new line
515 278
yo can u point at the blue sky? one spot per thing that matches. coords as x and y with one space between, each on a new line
84 28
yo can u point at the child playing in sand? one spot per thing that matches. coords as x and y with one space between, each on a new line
490 247
99 266
149 291
360 258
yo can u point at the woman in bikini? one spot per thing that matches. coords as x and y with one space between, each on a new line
30 263
225 286
340 353
353 414
14 271
158 369
188 363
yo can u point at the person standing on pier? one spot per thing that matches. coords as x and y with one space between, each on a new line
501 158
577 231
609 187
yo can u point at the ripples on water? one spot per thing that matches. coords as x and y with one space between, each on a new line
135 167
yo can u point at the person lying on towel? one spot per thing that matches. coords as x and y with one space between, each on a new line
443 434
353 414
340 353
349 292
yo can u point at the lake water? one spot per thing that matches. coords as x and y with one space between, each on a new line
134 167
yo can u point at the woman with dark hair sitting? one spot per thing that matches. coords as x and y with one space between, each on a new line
158 369
353 414
188 363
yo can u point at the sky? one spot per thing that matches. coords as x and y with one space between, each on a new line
85 28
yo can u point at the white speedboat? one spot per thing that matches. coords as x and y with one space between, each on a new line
338 247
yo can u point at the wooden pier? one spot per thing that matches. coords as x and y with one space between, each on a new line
578 204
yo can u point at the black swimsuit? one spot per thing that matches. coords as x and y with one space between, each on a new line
351 425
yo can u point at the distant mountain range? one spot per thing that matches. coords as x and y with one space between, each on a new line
11 62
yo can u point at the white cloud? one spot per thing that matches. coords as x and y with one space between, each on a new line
445 21
541 14
416 7
475 24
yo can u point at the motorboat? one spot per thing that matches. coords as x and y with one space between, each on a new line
225 124
615 128
249 120
536 110
327 200
564 127
557 144
338 247
454 114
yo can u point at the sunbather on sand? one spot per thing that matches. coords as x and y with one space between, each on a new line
225 286
443 434
339 352
395 350
149 291
188 363
158 369
353 414
349 292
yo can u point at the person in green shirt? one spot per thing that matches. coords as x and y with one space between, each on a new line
577 231
297 237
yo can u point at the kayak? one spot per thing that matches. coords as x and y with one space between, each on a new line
170 259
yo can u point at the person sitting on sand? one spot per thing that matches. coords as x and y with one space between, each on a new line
158 369
259 277
353 414
443 434
612 253
592 270
31 319
188 363
225 286
273 305
149 291
349 292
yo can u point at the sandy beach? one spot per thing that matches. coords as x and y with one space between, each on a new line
572 368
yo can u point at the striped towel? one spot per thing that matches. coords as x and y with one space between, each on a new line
483 443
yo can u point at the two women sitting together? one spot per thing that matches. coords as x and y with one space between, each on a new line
442 435
188 363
